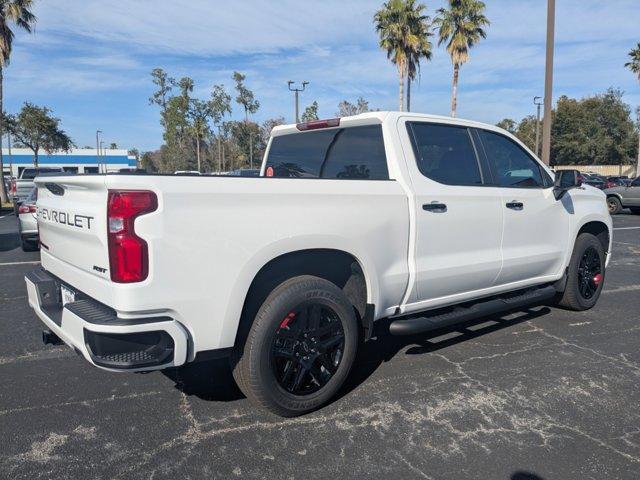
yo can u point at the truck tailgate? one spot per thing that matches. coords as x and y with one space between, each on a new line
72 221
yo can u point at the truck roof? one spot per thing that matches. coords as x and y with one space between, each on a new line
372 118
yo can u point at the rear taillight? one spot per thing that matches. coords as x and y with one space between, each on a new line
13 187
27 208
128 253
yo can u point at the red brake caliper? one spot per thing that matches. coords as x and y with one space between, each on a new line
286 321
597 279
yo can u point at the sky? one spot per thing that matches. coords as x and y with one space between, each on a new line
90 60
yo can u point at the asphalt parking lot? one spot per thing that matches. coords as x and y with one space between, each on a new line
543 393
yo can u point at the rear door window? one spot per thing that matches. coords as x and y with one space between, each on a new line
445 153
345 153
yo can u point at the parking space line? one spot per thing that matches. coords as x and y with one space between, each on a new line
19 263
627 228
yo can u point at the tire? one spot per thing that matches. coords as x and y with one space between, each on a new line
579 279
635 210
277 351
614 205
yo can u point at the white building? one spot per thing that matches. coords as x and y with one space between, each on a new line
77 160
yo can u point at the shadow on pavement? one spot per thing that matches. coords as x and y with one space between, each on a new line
212 380
9 241
522 475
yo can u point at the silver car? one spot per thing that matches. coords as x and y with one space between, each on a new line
624 197
28 223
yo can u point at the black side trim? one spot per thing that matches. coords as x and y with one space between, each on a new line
206 355
367 321
98 314
460 314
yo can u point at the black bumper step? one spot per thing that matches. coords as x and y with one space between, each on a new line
412 326
129 350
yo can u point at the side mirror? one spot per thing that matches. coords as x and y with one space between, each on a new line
565 181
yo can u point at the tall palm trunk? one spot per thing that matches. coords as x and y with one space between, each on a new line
454 89
3 193
400 87
408 94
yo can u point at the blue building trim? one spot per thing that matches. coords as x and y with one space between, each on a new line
70 159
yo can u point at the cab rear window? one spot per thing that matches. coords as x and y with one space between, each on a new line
355 153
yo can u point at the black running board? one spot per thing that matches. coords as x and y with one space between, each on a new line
411 326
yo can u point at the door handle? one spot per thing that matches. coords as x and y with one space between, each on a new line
513 205
435 207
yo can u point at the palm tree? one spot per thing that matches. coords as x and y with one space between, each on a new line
19 13
460 27
634 64
403 31
421 49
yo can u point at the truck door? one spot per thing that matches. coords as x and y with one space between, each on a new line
458 215
536 225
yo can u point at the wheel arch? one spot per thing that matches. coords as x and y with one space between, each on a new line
600 230
341 267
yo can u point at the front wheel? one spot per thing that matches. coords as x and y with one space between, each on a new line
585 274
300 348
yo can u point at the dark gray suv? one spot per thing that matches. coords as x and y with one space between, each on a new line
624 197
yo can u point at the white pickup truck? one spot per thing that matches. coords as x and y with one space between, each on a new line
427 221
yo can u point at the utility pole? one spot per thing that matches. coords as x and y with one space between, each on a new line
297 91
537 103
102 155
98 132
548 82
10 156
219 148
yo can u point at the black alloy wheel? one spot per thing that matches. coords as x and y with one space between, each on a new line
307 348
589 273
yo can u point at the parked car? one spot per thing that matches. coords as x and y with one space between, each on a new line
28 223
22 186
187 172
427 221
611 182
624 196
245 172
593 180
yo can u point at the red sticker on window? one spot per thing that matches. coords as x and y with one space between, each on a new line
269 172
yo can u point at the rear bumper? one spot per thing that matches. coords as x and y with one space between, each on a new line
104 339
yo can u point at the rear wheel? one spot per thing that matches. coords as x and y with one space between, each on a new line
614 205
585 274
299 349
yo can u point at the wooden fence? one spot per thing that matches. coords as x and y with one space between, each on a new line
630 171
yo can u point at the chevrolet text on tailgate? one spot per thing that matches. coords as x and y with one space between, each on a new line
428 221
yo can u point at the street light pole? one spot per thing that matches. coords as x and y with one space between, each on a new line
548 82
104 161
10 156
219 149
98 132
537 103
297 91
